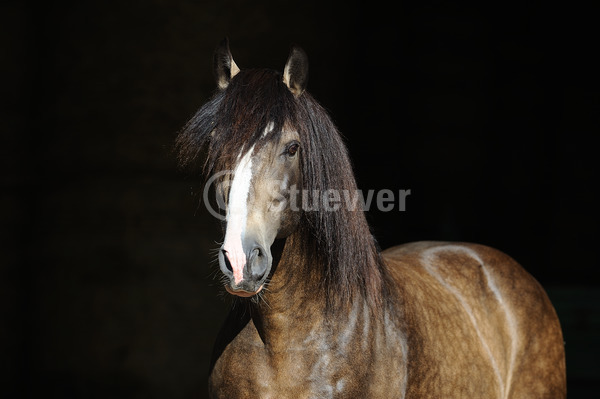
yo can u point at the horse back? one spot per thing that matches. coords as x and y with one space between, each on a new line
477 324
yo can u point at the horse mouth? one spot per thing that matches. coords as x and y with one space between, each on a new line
243 293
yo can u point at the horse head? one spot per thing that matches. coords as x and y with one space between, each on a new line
265 173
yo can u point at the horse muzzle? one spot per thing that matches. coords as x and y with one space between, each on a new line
246 270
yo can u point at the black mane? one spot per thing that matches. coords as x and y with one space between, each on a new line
235 118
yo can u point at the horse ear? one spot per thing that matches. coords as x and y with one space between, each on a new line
224 66
295 73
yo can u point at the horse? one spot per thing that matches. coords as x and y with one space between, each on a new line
320 311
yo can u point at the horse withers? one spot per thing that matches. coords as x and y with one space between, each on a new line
321 313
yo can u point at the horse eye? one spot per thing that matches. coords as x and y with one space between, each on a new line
292 150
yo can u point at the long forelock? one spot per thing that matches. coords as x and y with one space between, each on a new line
234 120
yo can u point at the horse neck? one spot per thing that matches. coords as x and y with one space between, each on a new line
294 306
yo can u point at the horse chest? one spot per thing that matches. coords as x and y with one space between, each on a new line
321 368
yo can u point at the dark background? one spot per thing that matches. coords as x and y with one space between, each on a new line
488 115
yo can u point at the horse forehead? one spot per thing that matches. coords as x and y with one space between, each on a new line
268 147
268 129
264 152
245 165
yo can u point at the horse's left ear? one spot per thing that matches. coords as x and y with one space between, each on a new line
224 66
295 73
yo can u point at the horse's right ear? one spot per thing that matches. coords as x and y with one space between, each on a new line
224 66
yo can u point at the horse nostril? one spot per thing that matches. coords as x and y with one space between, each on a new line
226 260
258 263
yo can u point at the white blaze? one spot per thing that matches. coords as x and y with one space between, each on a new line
237 215
269 128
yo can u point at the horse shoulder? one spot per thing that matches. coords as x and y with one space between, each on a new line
473 308
346 356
